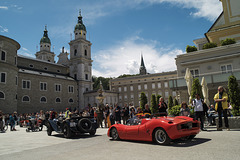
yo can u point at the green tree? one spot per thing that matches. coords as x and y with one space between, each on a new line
234 95
170 102
157 98
209 45
96 83
196 88
175 110
228 41
175 102
143 100
153 103
191 48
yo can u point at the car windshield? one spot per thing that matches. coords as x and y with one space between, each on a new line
134 121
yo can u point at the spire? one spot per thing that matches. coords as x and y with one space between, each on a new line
142 69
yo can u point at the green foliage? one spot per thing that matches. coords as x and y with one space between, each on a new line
234 95
157 98
170 102
175 102
127 75
175 110
191 48
96 83
153 104
196 88
228 41
143 100
209 45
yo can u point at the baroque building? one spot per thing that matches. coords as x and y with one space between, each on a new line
33 84
214 64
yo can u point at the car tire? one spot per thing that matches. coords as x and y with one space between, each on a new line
85 125
93 132
49 129
161 137
67 133
114 134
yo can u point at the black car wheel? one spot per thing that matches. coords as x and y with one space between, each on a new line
85 125
67 131
160 137
114 134
49 129
93 132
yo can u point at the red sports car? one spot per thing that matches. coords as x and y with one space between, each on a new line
160 129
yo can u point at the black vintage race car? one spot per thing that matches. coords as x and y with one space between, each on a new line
71 126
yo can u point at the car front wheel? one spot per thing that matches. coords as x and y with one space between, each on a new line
66 131
114 134
161 137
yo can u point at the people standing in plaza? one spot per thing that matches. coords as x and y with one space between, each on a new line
221 107
211 115
132 112
12 122
147 109
112 115
1 121
184 111
125 115
198 110
162 107
67 113
117 114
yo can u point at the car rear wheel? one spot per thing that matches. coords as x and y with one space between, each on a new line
67 131
49 129
161 137
114 134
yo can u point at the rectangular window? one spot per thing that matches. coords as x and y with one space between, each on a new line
125 89
3 56
132 96
58 87
26 84
86 76
120 98
166 84
195 72
139 87
3 77
159 85
160 93
145 86
43 86
125 97
119 89
166 94
227 68
131 88
153 85
71 89
174 94
16 80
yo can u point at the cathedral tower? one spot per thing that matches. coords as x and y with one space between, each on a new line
45 48
142 69
80 60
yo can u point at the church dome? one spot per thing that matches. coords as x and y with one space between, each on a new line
80 25
45 38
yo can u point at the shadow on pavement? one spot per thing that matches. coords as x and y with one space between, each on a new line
175 143
78 136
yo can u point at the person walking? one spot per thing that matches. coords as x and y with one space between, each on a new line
221 107
198 110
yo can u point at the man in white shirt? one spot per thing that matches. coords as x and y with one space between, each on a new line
198 110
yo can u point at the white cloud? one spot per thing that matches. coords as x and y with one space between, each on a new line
4 7
3 29
125 58
25 52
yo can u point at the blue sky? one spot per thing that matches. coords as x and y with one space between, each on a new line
120 30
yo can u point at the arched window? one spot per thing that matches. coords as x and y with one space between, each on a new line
75 52
85 52
70 100
26 99
2 95
43 100
58 100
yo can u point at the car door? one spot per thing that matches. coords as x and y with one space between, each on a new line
132 132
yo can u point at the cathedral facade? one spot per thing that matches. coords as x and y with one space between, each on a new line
33 84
